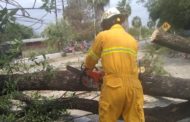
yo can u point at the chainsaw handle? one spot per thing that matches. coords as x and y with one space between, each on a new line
83 68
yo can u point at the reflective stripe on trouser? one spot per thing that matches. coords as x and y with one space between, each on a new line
121 97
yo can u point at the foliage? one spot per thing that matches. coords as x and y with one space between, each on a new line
6 17
9 52
98 6
136 22
79 15
9 31
151 24
15 31
145 32
48 5
176 12
59 34
124 7
99 2
34 112
152 60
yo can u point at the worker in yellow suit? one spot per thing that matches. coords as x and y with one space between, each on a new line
121 92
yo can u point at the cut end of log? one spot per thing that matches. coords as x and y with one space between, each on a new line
154 35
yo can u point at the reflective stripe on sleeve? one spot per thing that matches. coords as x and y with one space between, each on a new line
118 49
92 54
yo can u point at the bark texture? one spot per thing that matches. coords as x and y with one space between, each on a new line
171 41
63 80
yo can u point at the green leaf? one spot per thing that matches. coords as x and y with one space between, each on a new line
13 12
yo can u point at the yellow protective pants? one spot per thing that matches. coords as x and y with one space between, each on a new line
121 96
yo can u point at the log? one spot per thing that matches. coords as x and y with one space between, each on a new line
171 113
171 41
63 80
57 80
166 86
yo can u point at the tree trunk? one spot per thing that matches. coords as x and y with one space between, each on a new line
166 86
171 113
58 80
172 41
63 80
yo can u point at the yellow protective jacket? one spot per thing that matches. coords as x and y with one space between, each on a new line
117 50
121 91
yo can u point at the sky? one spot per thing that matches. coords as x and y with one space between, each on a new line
137 10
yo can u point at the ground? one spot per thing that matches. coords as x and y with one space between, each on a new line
177 67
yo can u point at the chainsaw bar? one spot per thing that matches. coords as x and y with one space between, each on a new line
74 70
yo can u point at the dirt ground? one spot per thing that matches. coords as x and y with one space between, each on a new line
177 67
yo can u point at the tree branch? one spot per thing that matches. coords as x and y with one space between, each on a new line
171 113
34 4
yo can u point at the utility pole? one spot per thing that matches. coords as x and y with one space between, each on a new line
56 11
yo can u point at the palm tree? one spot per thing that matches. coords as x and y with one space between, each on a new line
98 6
98 9
125 9
137 23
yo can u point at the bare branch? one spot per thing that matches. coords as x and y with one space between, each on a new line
29 21
34 4
29 17
40 19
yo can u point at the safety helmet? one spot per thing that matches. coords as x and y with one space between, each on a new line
110 13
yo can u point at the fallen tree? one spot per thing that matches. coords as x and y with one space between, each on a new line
171 41
171 113
63 80
57 80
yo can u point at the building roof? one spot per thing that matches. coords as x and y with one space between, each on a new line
32 40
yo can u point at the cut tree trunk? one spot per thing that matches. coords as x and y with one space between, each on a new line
63 80
171 41
58 80
171 113
166 86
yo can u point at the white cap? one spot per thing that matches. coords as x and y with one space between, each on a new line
110 13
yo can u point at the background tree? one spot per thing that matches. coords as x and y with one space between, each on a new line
79 14
151 24
176 12
15 31
136 22
97 7
125 9
59 34
145 32
11 10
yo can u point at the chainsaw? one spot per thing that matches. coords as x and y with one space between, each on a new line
90 79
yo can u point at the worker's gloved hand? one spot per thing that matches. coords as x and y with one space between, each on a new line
86 71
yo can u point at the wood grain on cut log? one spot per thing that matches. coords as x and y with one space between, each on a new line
171 41
170 113
63 80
